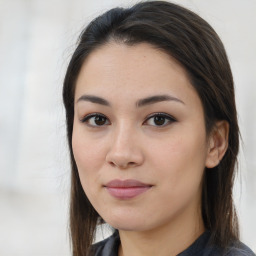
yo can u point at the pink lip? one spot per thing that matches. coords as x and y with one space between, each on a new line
126 189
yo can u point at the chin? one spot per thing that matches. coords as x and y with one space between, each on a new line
128 223
126 227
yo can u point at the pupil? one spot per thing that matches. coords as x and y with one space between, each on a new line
159 120
100 120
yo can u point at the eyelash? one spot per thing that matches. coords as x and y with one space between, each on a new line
87 118
170 119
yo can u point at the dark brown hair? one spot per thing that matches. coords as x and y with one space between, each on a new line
195 45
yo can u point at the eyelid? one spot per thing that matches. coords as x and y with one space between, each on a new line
88 116
165 115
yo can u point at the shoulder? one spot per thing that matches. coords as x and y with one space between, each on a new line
203 247
106 247
236 249
239 249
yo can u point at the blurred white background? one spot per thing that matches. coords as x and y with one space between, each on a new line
36 41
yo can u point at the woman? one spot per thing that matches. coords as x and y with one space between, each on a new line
153 135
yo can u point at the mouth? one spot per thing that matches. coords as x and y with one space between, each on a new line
126 189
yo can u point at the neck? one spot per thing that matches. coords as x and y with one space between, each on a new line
167 240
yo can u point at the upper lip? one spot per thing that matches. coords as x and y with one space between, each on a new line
126 183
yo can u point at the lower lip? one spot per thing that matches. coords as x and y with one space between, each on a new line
127 192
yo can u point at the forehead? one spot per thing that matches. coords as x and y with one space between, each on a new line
116 70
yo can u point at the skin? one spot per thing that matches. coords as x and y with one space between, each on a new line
129 144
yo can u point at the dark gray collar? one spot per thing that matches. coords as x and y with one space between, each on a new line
201 247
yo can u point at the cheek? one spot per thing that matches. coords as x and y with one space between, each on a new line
89 160
180 161
89 157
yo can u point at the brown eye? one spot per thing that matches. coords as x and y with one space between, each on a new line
160 119
95 120
100 120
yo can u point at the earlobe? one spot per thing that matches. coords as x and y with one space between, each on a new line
218 144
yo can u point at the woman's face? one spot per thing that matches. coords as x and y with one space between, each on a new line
139 138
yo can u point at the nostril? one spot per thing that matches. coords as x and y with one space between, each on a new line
131 163
112 164
122 165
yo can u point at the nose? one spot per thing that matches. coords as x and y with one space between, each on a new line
125 150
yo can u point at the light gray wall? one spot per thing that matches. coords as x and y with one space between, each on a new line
36 41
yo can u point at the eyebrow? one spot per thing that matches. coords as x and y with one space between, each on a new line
93 99
157 98
140 103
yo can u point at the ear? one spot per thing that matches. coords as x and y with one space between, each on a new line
217 144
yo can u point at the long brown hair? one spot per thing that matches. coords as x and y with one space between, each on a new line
195 45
